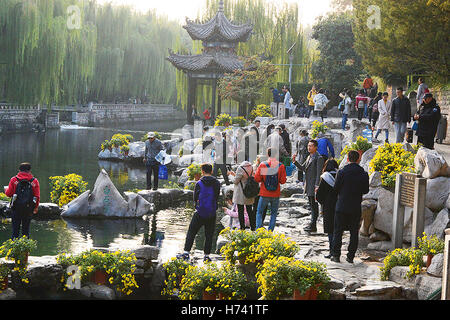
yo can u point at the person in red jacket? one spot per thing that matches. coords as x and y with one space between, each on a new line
207 115
23 209
270 174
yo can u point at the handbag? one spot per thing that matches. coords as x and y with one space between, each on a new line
163 174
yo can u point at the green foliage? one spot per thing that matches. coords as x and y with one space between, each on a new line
240 121
116 53
391 159
413 38
430 244
66 188
175 271
411 257
3 197
17 249
339 65
361 144
193 170
318 128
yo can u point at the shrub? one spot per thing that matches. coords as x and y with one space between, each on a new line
240 121
175 271
194 169
389 160
3 197
222 120
233 284
317 128
261 110
66 188
431 244
411 257
361 144
124 149
199 279
279 277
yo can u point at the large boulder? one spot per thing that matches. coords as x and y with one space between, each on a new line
430 164
438 191
106 201
375 180
367 157
440 223
137 150
48 211
114 154
288 189
186 160
436 266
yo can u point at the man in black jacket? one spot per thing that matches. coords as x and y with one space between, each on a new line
351 183
428 115
400 115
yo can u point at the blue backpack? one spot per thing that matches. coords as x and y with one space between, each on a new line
271 181
207 205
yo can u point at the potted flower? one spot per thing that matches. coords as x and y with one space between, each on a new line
200 283
430 246
223 120
239 121
175 271
125 149
233 284
106 145
274 245
111 268
4 272
18 250
318 128
194 172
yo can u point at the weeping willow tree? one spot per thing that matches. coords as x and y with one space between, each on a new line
276 27
43 61
114 53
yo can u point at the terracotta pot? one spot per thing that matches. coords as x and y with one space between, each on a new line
360 154
23 262
99 277
209 296
223 296
429 258
298 296
4 284
314 292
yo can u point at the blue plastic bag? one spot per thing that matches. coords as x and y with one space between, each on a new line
163 174
290 169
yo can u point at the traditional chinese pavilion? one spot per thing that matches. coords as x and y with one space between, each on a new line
220 38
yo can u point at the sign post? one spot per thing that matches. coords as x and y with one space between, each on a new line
410 191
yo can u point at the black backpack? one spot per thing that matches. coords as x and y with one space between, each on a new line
251 189
24 200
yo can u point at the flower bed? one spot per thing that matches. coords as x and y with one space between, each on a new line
411 257
18 250
223 120
389 160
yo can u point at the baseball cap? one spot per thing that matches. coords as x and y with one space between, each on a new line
150 135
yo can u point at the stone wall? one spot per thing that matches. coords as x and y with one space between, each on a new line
29 118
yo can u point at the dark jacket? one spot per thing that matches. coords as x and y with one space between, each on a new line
208 181
313 169
429 116
327 197
352 182
401 110
286 141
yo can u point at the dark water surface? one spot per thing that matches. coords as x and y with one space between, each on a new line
73 149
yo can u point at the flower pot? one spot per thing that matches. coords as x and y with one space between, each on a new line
360 154
99 277
126 153
223 296
209 295
4 284
23 262
197 176
429 258
314 292
298 296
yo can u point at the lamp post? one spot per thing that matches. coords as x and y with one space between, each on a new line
291 60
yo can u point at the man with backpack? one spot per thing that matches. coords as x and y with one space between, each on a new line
25 193
270 174
206 195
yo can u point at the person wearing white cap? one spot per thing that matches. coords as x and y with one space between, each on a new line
152 147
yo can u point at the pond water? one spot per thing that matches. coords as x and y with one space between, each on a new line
73 149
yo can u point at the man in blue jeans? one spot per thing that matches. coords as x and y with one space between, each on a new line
400 115
152 147
270 174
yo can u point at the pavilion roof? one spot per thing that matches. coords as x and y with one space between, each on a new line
219 28
206 62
